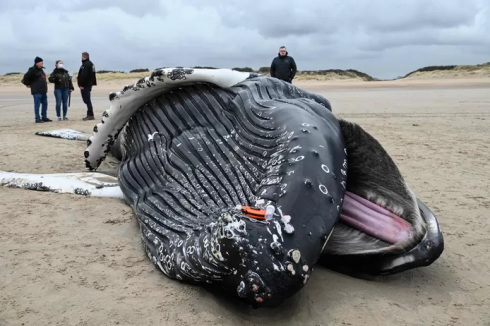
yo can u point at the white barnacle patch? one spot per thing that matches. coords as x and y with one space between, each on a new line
232 223
234 229
306 278
288 228
305 268
150 136
286 219
276 247
325 168
323 189
216 253
295 149
279 231
241 291
295 255
342 171
228 226
275 238
290 268
276 268
260 203
343 184
227 218
304 124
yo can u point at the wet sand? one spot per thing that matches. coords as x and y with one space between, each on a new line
72 260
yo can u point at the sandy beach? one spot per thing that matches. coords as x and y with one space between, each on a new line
74 260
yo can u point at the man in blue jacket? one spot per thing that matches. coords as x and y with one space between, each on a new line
87 78
283 66
35 79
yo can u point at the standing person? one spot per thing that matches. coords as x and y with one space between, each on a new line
283 66
86 79
35 79
63 86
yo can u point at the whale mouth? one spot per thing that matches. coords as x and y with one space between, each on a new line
383 228
374 219
380 214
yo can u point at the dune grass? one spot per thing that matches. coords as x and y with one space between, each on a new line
480 70
453 71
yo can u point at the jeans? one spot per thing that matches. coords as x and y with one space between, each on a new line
61 94
40 99
86 99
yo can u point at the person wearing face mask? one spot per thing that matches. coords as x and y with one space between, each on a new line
63 86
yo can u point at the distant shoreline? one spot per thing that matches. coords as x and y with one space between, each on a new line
430 72
428 77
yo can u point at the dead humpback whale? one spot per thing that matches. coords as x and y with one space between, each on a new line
246 181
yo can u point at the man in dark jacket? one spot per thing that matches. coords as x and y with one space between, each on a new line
86 79
35 79
283 66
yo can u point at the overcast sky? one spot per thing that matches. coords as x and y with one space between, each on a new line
383 38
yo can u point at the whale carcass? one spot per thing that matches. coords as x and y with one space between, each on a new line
248 182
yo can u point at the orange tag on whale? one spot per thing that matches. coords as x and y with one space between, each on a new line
258 214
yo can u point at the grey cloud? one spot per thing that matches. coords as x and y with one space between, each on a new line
275 19
382 38
398 15
138 8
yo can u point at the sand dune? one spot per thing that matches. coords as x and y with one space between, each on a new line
478 74
458 72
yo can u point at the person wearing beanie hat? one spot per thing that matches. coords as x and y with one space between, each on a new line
35 79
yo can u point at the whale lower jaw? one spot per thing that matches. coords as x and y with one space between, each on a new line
367 227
